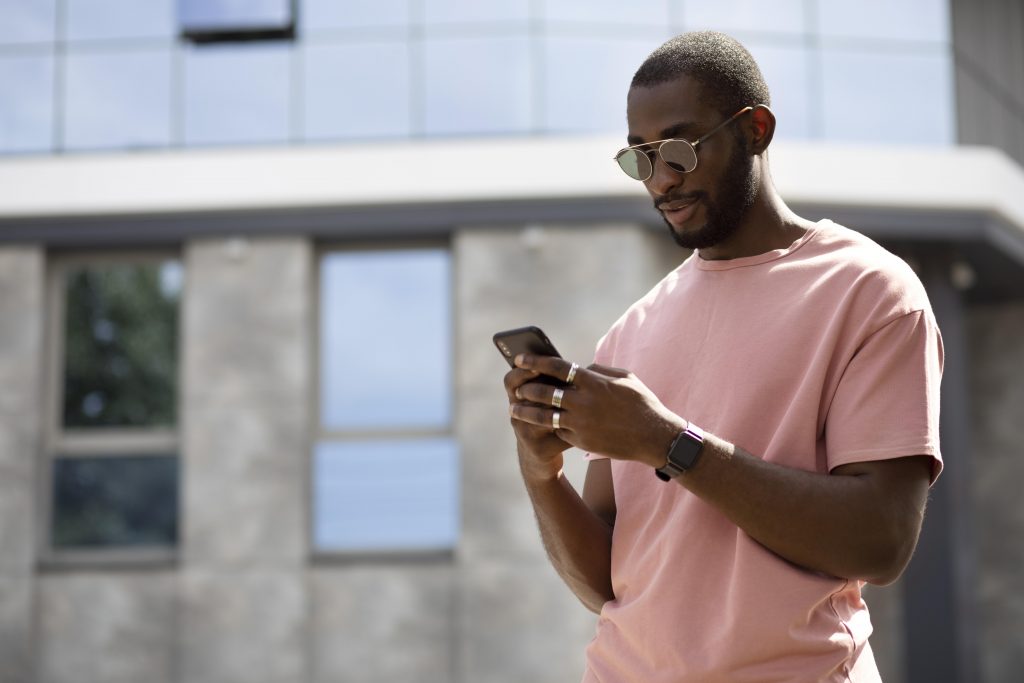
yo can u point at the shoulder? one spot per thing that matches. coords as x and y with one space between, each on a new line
634 317
861 273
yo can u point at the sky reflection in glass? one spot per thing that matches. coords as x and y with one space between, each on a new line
115 19
27 21
233 14
117 99
477 86
385 340
26 103
237 94
357 90
381 495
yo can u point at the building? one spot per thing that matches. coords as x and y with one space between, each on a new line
289 460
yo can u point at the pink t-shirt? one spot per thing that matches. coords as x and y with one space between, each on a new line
814 356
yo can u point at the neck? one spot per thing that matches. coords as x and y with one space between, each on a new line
768 224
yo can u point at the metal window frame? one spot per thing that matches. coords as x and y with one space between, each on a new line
317 431
59 442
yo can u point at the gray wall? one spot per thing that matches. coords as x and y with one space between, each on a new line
988 45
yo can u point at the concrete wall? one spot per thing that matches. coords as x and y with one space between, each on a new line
22 307
988 45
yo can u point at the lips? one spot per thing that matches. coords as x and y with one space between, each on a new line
678 211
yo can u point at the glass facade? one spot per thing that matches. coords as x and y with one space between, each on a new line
116 74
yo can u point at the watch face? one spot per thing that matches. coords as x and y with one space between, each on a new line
685 450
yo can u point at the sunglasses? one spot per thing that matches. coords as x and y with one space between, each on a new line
678 154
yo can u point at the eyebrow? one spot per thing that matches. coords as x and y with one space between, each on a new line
674 131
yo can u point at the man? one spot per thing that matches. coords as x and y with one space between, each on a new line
763 425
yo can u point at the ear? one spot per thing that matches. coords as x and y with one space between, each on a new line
762 128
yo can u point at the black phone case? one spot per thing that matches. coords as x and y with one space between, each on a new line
530 339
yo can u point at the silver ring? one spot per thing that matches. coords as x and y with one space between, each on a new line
556 398
555 419
572 373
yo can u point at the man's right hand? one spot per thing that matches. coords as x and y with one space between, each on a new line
540 450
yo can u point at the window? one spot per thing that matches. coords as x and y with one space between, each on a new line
586 81
112 448
385 463
229 20
116 99
237 94
477 86
26 103
357 90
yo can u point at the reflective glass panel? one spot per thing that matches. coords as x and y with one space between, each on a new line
28 21
653 13
121 345
917 20
385 339
586 81
327 14
386 495
890 97
785 69
477 85
117 99
237 94
467 11
110 19
782 16
215 15
357 90
26 103
121 501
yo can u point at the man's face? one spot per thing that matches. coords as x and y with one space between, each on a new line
705 207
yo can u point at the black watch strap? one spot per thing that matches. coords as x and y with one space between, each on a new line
683 453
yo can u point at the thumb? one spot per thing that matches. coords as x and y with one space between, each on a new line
608 371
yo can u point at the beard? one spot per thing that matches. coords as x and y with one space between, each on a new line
725 212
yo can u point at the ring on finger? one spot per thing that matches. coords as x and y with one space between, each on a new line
572 373
556 398
556 418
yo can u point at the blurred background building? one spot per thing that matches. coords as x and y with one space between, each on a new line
251 257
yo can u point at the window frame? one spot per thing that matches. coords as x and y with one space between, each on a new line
319 433
59 442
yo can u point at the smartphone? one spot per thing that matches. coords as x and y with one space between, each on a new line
529 339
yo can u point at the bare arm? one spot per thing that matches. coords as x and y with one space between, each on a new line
859 522
576 532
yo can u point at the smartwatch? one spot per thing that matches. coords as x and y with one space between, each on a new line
683 453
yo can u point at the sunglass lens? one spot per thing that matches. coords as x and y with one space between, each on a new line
636 164
679 155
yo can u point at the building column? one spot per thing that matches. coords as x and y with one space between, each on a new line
22 307
939 583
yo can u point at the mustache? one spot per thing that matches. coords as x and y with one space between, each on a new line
688 197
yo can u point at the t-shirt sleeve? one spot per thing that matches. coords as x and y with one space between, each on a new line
886 404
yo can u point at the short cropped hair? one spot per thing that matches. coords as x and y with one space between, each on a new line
719 62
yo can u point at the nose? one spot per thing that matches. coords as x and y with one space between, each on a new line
663 179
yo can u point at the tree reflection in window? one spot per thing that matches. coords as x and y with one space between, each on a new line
121 337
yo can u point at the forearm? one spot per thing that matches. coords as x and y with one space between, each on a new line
577 541
847 526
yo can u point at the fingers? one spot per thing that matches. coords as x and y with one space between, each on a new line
540 416
544 394
552 366
516 378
